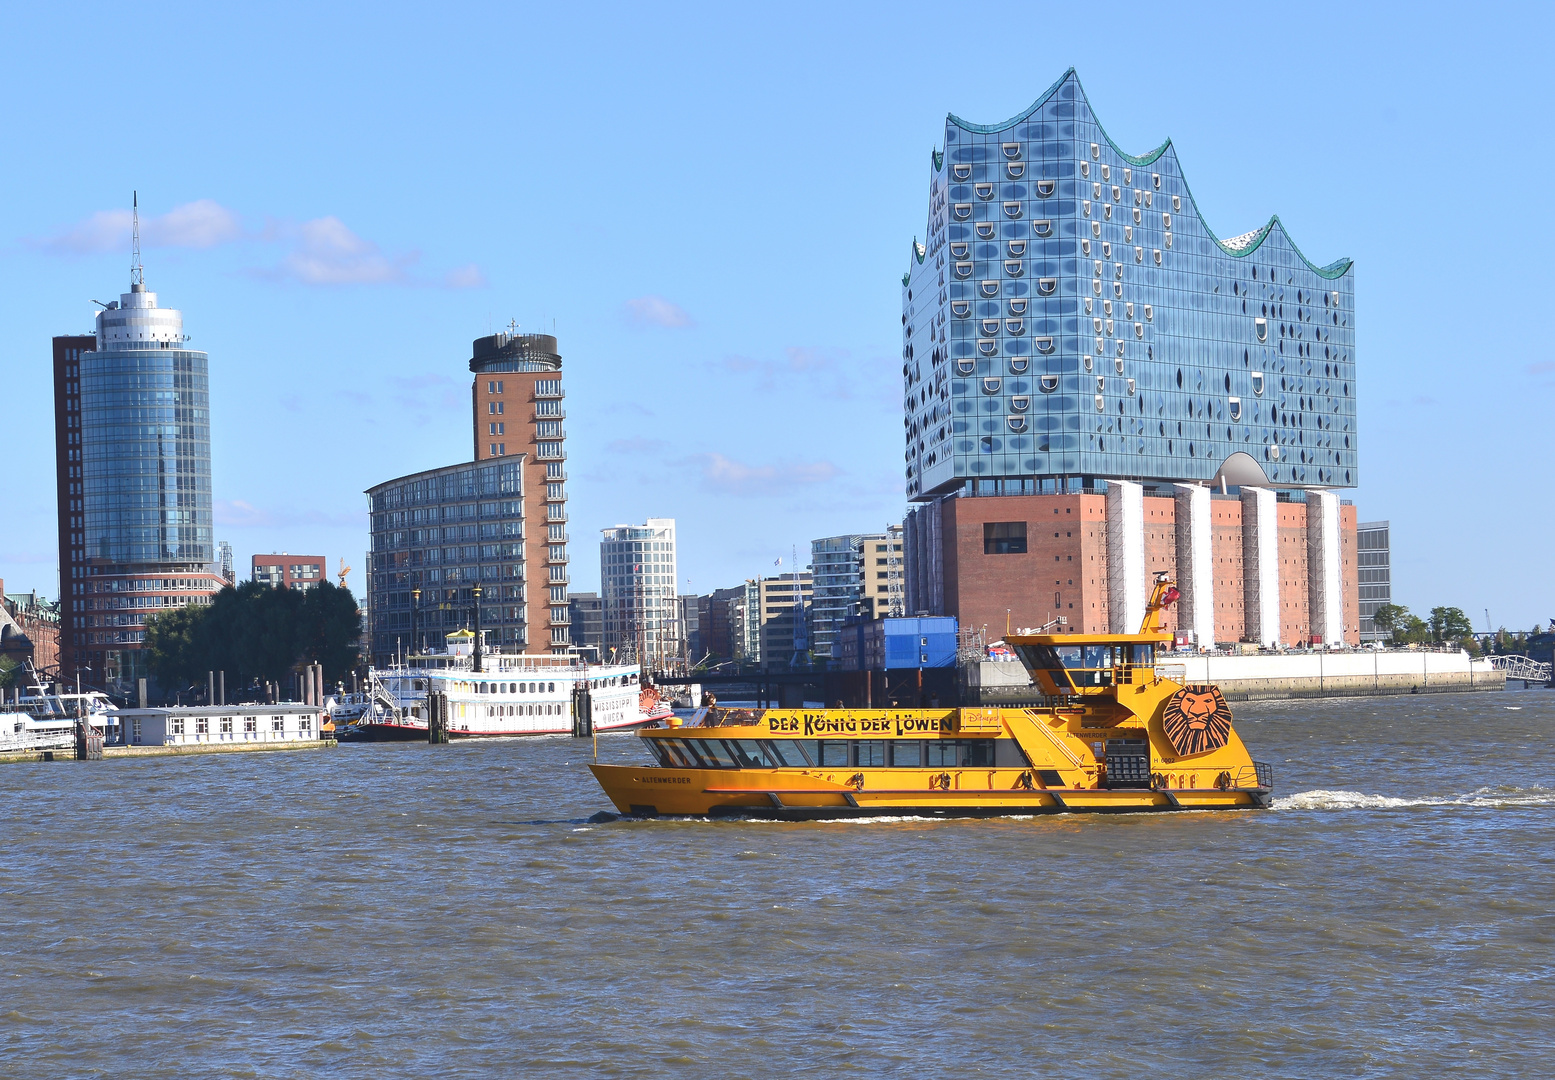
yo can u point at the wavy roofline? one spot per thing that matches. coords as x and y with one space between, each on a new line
1336 269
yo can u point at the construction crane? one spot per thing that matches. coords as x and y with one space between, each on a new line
343 571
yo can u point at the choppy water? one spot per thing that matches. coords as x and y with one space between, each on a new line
387 911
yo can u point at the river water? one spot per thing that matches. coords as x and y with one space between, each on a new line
388 911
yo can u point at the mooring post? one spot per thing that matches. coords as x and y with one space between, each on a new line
140 686
221 684
210 688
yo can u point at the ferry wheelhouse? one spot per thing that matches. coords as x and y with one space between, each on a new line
1115 734
509 694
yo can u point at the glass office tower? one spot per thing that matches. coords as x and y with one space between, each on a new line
1072 317
135 446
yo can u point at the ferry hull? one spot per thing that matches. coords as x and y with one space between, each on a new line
650 791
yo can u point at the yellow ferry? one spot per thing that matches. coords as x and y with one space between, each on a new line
1115 735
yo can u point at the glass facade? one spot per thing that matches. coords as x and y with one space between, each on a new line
637 571
445 531
1071 316
1373 559
834 564
146 455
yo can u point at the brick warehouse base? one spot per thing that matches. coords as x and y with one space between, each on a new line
961 561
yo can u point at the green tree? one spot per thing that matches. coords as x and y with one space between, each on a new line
8 670
256 633
177 645
1413 629
330 630
1449 624
1390 618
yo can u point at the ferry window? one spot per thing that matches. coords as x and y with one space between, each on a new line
178 726
226 725
907 753
1098 656
1071 656
552 688
1004 538
1007 754
1144 655
748 753
1044 658
666 753
960 753
831 752
202 725
871 752
787 752
715 754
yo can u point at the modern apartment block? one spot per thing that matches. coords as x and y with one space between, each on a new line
519 409
834 565
720 624
854 574
286 571
1074 331
133 475
437 536
1373 557
638 571
588 620
499 522
780 628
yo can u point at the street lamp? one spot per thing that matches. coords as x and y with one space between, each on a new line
476 592
415 604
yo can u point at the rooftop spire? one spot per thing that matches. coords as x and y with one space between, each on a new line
137 272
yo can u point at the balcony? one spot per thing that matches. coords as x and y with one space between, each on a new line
555 512
547 396
551 451
559 576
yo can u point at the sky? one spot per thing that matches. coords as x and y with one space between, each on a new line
712 207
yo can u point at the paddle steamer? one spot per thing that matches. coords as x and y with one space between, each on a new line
499 694
1115 734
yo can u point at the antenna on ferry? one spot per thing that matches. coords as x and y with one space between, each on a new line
137 272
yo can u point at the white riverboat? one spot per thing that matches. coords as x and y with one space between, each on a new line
41 718
511 694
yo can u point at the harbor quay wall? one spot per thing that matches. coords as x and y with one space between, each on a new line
189 750
1360 673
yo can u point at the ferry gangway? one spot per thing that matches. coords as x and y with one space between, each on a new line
1521 667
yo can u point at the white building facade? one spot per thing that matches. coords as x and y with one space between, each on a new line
637 575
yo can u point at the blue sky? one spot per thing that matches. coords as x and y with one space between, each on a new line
712 207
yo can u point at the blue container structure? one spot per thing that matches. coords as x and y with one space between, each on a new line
898 644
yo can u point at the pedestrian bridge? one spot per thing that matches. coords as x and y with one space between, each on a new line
1522 667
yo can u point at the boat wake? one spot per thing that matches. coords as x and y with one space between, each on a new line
1491 798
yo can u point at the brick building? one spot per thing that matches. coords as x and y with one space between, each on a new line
289 571
1033 559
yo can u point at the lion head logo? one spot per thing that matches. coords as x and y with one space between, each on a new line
1197 720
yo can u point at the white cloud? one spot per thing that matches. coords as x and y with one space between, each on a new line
326 252
203 223
323 251
726 476
656 311
465 277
